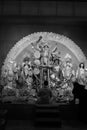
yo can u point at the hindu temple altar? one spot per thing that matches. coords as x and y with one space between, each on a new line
42 67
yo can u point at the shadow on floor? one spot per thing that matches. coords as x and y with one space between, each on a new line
28 125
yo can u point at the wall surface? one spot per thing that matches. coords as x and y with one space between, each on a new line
10 34
21 18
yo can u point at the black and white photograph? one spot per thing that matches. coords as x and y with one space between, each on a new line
43 65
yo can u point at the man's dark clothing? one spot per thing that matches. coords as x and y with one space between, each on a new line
44 95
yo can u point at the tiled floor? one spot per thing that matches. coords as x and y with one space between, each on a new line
27 125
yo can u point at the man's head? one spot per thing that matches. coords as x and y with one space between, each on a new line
45 84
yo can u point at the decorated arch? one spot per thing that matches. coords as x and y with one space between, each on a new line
54 39
37 57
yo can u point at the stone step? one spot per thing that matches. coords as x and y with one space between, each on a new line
49 114
47 119
47 110
48 122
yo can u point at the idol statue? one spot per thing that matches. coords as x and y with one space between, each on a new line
45 54
56 76
69 74
4 78
58 70
80 74
26 65
27 72
86 78
8 88
68 71
9 79
16 70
